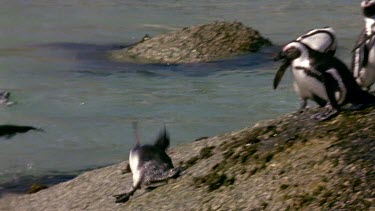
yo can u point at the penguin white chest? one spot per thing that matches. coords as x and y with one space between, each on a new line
307 86
370 73
134 166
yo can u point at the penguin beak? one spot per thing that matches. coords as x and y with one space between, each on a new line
280 72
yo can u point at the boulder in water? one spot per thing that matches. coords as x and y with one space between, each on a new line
203 43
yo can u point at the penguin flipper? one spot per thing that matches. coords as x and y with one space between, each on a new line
280 73
162 142
332 108
358 54
330 85
320 101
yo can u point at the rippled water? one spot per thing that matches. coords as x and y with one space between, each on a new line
51 61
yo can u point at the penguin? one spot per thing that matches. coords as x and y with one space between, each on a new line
324 79
9 131
150 165
322 40
4 98
363 58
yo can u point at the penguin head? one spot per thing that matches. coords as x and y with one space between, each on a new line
290 52
368 8
322 40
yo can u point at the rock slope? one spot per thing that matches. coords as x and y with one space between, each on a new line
289 163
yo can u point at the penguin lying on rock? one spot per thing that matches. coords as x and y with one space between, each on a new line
323 78
322 40
363 59
150 165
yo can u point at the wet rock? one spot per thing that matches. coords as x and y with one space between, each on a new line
36 188
201 43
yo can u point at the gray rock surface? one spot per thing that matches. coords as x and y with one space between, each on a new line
201 43
289 163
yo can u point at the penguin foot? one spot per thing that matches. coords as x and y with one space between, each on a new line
150 188
301 110
176 172
303 106
122 198
326 115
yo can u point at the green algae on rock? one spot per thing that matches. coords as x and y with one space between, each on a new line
203 43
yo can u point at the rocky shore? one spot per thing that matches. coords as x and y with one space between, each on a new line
289 163
203 43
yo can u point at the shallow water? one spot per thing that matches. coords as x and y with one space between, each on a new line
51 61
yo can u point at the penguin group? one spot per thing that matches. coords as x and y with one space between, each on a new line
325 79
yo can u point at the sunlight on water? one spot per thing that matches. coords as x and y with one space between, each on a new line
49 61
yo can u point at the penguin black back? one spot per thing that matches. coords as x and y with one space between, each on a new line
155 152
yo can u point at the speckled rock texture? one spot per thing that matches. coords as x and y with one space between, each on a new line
194 44
289 163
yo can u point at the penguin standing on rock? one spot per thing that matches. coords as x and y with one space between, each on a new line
322 40
363 59
322 78
149 164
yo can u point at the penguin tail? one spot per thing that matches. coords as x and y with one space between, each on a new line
162 142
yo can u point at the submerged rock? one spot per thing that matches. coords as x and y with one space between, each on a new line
201 43
289 163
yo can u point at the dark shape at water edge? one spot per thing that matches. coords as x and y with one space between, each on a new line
9 131
24 184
